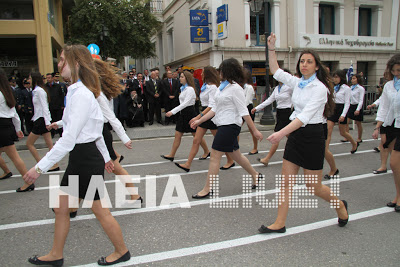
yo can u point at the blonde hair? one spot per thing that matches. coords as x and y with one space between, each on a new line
109 81
82 67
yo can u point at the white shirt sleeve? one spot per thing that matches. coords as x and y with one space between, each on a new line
268 101
190 94
377 102
347 99
384 104
249 94
286 78
110 116
101 146
45 106
361 99
240 103
16 121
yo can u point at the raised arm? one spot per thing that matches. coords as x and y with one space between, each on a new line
273 62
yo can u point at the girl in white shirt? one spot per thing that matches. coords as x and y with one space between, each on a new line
389 117
41 117
249 95
228 114
312 100
356 103
282 94
10 128
82 137
187 111
342 96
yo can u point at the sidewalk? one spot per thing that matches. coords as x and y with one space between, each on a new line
158 130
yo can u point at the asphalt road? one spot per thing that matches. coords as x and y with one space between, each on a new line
175 235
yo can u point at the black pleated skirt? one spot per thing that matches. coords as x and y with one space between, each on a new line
208 124
185 115
282 118
350 113
39 127
7 132
108 139
336 115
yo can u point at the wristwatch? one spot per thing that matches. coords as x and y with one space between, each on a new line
38 170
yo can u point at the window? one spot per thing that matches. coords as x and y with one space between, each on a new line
326 19
257 26
16 9
364 21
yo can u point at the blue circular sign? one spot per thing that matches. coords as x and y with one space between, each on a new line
94 49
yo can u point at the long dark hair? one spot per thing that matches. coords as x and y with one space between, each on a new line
6 90
109 81
189 79
342 76
359 79
248 78
231 70
211 75
324 77
389 66
37 80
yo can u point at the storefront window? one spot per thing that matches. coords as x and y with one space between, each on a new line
16 9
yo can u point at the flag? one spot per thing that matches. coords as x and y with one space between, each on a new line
349 72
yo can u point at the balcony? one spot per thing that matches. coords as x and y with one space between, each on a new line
156 6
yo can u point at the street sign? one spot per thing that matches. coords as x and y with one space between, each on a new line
199 35
94 49
222 13
198 17
222 30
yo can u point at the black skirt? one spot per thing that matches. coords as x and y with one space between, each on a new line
208 124
7 132
226 138
336 115
185 115
108 139
350 113
249 108
397 144
282 118
305 147
391 134
85 160
39 127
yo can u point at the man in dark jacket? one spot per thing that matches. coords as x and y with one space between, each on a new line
139 85
56 105
153 95
170 89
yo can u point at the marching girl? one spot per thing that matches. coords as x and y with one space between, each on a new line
356 102
41 117
186 110
228 111
389 109
82 137
342 95
305 146
282 94
10 128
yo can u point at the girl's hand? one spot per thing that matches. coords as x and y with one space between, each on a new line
109 166
271 41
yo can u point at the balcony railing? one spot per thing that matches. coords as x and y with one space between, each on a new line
156 6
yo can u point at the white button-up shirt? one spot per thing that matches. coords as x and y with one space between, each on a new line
309 102
82 122
230 105
283 98
343 97
387 106
249 94
187 98
207 96
357 96
109 116
9 113
40 105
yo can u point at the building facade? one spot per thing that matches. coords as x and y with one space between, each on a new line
31 35
362 32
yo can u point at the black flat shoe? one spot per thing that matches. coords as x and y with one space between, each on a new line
359 141
196 196
355 150
168 158
121 158
265 230
36 261
8 175
223 168
29 188
209 154
342 222
259 176
183 168
54 170
377 150
71 214
253 153
344 141
328 177
397 208
125 257
379 172
391 204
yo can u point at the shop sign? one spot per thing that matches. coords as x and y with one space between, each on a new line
8 64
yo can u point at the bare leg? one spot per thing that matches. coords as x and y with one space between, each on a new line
328 154
255 142
213 169
360 130
245 163
60 232
345 133
229 160
200 132
176 144
30 143
4 167
271 152
395 166
112 230
203 145
119 170
384 154
12 153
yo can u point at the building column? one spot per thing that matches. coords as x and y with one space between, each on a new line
276 21
316 17
379 22
341 19
394 19
356 9
299 20
43 37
